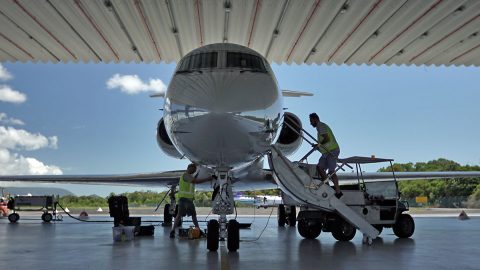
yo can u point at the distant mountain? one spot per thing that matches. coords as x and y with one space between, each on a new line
35 191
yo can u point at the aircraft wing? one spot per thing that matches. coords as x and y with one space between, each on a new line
406 176
260 182
145 179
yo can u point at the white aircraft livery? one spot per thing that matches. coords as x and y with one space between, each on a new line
223 108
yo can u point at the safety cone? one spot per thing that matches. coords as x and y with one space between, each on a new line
463 216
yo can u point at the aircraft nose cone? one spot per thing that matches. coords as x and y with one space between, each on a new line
224 91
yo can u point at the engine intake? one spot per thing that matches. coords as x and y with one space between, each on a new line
164 141
289 140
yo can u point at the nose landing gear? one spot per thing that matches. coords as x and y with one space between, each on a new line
223 205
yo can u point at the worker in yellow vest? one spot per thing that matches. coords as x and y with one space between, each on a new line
186 195
328 146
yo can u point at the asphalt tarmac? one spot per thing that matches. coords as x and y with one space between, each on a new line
438 243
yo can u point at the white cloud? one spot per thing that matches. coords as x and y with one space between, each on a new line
4 119
132 84
4 74
12 138
7 94
15 164
19 139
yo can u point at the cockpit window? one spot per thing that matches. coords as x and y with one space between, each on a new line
244 60
199 61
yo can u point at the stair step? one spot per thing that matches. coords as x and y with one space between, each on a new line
301 187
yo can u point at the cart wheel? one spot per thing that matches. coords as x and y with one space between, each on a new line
213 235
309 230
47 217
343 231
14 217
281 217
233 237
404 227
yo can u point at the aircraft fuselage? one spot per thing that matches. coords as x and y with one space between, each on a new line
223 107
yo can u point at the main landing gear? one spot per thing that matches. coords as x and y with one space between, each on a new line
286 214
221 230
170 210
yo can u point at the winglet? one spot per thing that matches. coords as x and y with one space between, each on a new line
292 93
158 94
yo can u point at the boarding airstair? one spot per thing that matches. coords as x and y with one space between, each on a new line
297 180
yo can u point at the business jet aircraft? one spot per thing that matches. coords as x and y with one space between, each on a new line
223 110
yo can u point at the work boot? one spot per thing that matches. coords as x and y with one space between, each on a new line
172 234
339 195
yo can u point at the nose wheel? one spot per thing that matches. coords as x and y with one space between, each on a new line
213 235
222 229
233 235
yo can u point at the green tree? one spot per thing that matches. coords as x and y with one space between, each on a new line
441 192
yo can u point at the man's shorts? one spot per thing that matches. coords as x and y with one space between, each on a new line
186 207
329 161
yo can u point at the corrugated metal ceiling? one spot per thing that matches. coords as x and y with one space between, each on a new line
438 32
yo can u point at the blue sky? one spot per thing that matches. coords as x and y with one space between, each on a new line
74 123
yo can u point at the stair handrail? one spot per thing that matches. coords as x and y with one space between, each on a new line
315 146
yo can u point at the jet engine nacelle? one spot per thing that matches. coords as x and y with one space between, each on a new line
289 140
164 141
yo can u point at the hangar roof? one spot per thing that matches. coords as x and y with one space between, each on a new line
420 32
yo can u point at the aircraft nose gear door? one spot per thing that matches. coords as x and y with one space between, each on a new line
313 193
223 205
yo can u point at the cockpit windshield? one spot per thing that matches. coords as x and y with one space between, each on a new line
199 61
245 61
218 60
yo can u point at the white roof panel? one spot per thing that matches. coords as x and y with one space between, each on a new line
420 32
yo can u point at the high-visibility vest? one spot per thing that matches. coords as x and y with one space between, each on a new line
331 144
185 189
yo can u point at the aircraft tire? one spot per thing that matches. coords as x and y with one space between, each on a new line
404 227
47 217
233 237
309 231
213 235
14 217
281 216
292 217
343 231
167 217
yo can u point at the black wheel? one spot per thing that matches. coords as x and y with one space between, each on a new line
379 228
309 230
14 217
343 231
213 234
167 217
292 217
233 237
281 216
47 217
404 227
